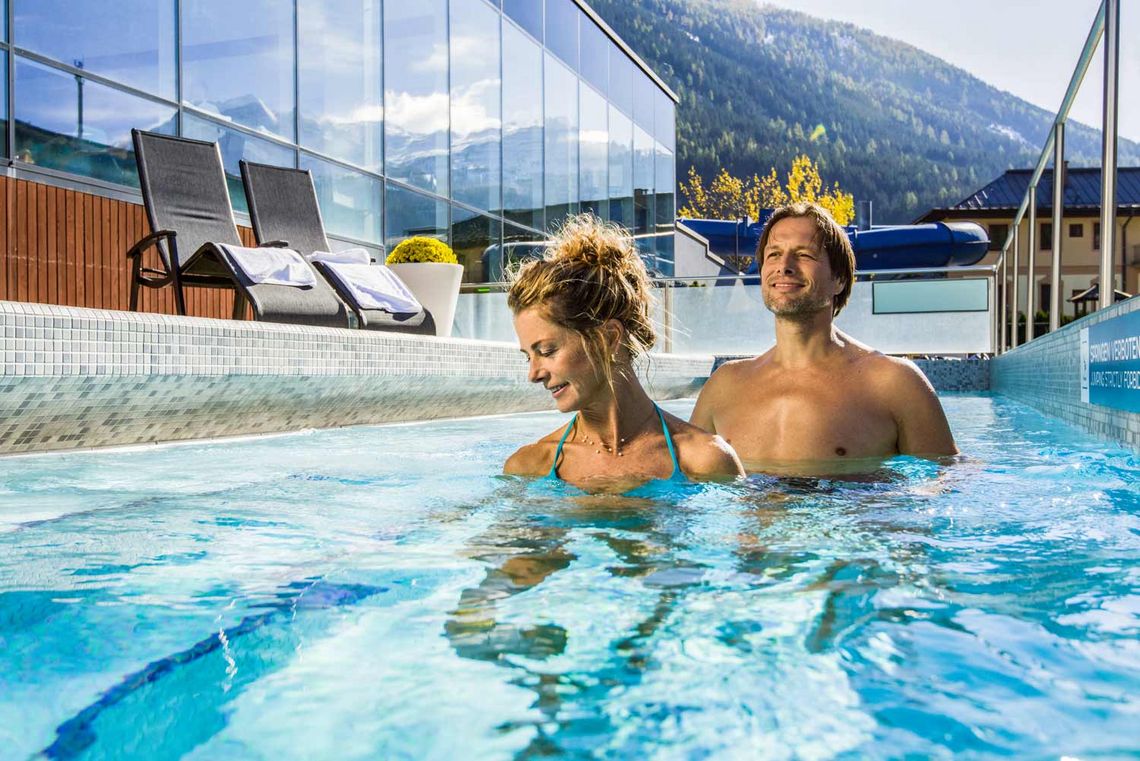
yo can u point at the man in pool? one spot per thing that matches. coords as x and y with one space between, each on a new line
818 401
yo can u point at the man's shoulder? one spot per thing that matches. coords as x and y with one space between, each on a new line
894 369
896 380
734 369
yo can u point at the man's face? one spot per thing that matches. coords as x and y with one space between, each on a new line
795 274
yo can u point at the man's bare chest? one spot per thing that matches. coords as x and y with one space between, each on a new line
809 423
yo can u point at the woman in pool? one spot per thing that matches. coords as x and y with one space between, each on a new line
582 316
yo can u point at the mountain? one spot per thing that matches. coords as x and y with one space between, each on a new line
894 125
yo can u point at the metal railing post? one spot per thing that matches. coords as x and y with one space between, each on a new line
1031 265
995 321
1108 152
1058 215
1014 303
1003 337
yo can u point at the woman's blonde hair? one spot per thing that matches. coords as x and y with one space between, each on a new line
590 274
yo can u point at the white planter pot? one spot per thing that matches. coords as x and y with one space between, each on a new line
436 286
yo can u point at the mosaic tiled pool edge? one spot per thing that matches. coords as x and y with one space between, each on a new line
1046 374
80 378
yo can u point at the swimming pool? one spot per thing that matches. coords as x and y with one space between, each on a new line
378 593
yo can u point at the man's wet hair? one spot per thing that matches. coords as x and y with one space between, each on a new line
829 236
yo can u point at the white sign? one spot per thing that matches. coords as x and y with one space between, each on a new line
1085 365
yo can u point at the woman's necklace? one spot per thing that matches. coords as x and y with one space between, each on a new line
615 449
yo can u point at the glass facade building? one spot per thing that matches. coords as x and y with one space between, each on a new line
480 122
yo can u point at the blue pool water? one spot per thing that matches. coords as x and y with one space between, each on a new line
379 593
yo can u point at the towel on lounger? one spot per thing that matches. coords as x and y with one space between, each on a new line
347 256
272 266
374 286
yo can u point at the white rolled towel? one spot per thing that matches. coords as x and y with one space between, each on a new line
345 256
374 286
272 266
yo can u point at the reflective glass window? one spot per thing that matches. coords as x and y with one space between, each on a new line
561 141
408 213
351 201
79 126
522 128
665 121
621 79
643 176
516 234
237 62
476 108
595 53
4 21
235 146
562 30
3 103
475 240
644 100
593 142
665 201
129 41
340 83
416 102
621 168
527 14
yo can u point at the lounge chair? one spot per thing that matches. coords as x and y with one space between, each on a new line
193 230
283 207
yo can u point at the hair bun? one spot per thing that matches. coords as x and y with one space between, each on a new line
591 273
589 241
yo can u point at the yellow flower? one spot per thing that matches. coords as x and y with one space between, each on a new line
422 249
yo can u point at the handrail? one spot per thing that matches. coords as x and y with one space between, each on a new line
1105 27
1062 115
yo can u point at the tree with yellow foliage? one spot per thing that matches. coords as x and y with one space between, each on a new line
729 197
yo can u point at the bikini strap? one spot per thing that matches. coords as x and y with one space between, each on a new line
558 452
669 443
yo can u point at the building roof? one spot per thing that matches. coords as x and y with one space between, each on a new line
1082 192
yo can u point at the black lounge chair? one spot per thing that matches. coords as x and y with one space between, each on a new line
188 205
283 207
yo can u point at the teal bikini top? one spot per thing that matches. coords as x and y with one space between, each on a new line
677 475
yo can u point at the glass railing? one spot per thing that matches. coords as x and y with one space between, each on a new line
913 312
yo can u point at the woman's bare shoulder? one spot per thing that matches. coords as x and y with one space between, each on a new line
534 459
703 455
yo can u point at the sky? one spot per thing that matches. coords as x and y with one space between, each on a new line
1026 47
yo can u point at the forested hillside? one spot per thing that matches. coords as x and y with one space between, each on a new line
892 124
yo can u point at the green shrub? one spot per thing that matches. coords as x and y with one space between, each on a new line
422 249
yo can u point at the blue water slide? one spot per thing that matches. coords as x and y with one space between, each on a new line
937 244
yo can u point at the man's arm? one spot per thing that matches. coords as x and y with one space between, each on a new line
702 416
923 430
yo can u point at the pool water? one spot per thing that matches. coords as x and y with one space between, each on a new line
380 593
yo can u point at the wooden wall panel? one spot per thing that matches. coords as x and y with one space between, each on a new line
65 247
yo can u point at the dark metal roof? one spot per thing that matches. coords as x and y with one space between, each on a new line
1082 189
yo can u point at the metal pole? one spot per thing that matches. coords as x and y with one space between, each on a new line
1003 337
995 321
1058 215
1013 304
1031 266
1108 151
